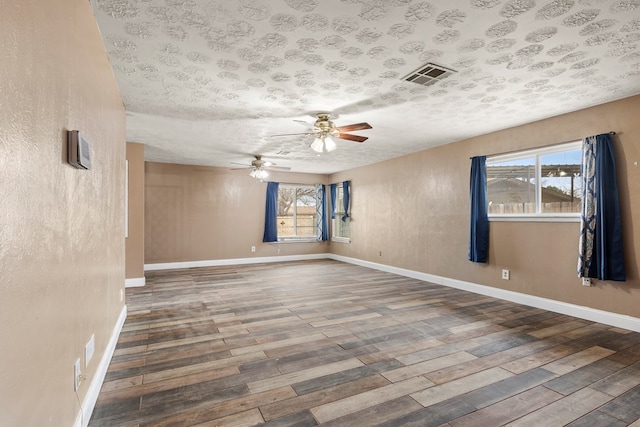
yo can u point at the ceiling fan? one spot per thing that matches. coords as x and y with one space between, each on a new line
324 130
259 167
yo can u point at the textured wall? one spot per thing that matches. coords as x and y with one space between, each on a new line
414 210
135 236
195 213
61 229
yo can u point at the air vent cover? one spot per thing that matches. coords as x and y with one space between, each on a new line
429 74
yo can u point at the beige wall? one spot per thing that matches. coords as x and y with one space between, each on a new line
61 229
135 236
195 213
414 210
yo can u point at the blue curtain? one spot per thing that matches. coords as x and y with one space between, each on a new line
321 213
479 229
271 213
334 189
345 199
600 248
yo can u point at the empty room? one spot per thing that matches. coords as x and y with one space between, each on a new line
337 213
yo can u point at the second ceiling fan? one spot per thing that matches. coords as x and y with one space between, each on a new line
258 167
324 130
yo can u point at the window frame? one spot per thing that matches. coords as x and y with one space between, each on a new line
536 153
339 212
295 238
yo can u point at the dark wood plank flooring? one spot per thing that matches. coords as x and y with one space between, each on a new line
333 344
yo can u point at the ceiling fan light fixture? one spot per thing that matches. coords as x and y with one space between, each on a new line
329 144
317 145
259 173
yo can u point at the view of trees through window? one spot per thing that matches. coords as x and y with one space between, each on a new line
296 211
545 181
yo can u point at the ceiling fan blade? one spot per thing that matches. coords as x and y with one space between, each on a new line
356 138
306 124
240 164
235 169
292 134
355 126
278 168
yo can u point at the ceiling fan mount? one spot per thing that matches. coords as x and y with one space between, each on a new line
324 126
259 163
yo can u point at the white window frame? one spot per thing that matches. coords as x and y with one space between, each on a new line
538 216
334 223
297 239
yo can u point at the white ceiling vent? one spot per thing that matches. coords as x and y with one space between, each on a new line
429 74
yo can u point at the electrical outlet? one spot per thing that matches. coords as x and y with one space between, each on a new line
121 295
76 374
253 248
505 274
89 349
586 281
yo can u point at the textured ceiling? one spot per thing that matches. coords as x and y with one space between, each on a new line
206 82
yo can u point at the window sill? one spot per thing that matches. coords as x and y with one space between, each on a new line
297 240
534 218
341 239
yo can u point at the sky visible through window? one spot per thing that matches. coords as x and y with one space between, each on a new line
572 157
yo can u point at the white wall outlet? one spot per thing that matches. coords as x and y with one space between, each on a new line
505 274
89 349
76 374
253 248
586 281
121 295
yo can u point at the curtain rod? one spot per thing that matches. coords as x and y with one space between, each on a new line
535 148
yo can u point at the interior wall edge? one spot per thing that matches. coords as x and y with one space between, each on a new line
91 397
134 241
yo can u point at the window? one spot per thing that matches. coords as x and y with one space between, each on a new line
537 183
297 212
340 228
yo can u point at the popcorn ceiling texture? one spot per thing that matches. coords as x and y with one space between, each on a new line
206 82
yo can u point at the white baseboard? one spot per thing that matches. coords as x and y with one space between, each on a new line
582 312
134 282
233 261
390 269
89 401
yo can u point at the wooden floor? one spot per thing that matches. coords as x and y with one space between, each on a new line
332 344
